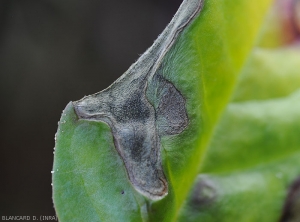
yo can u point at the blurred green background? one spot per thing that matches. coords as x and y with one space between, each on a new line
53 52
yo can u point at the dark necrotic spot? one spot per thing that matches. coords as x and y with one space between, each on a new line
291 209
171 113
137 146
203 194
133 108
133 141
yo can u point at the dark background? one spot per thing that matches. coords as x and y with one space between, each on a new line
53 52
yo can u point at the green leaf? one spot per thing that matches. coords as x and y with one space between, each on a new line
239 152
88 175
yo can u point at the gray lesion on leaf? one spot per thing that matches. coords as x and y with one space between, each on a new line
171 116
141 106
